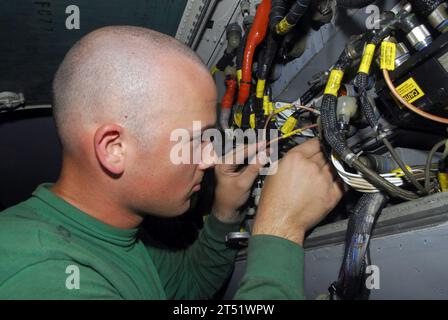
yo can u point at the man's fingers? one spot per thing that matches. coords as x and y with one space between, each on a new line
320 159
339 188
253 169
242 152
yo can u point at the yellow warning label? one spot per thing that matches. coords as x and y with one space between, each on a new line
289 125
334 82
410 91
252 120
367 58
388 53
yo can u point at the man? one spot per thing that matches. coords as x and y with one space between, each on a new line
118 94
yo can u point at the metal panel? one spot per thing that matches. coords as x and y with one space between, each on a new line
408 246
194 20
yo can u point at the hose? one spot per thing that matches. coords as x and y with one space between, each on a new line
278 11
256 35
351 280
265 62
227 101
240 55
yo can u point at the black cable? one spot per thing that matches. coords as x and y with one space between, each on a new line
297 10
278 10
351 280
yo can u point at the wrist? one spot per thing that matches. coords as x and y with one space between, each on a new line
296 235
226 215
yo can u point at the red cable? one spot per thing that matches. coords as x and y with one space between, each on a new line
227 99
256 35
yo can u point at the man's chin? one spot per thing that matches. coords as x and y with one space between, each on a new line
181 209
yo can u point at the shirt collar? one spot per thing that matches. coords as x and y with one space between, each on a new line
75 218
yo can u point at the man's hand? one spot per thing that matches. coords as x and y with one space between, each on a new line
302 192
233 187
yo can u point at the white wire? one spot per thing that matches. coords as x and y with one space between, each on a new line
358 182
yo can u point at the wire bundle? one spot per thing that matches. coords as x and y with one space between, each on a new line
358 182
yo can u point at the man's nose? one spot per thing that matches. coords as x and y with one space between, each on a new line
209 157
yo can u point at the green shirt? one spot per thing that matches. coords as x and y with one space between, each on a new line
49 249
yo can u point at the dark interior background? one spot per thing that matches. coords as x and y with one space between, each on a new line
34 40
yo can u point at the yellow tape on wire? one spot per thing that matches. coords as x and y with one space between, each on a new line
252 120
266 105
239 75
259 92
388 53
283 27
334 82
367 58
289 125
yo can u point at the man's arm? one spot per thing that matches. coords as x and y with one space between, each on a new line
202 269
293 201
274 270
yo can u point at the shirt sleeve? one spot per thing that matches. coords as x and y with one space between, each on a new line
274 270
199 271
57 279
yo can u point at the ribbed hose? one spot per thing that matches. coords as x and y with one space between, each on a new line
361 82
354 4
329 121
351 280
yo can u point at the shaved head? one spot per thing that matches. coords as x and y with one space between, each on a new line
119 95
115 74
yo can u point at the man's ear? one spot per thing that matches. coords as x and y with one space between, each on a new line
110 148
